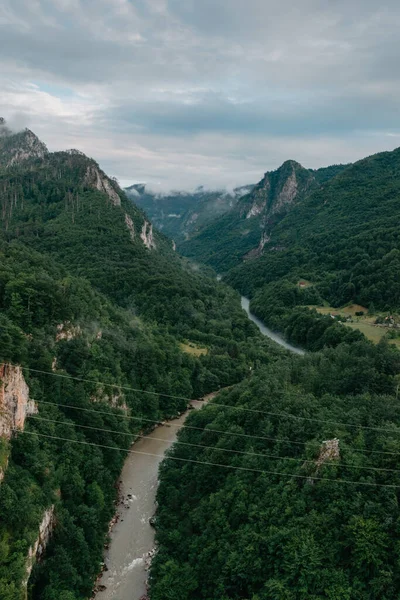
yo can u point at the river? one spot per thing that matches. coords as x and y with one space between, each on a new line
266 331
132 537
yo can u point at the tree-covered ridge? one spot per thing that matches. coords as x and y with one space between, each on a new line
279 521
242 233
343 237
52 208
344 240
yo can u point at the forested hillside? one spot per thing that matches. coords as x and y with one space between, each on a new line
243 232
342 241
285 487
94 307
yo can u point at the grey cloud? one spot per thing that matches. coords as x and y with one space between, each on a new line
316 114
197 89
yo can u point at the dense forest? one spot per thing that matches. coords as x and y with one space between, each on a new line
305 504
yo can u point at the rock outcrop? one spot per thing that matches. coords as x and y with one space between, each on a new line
3 470
15 404
36 551
130 225
147 235
94 178
256 252
17 148
67 331
287 195
259 204
329 451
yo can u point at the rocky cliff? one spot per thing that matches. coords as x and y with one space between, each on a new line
17 148
96 179
147 236
15 404
37 550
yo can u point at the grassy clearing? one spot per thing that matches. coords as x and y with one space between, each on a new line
194 349
345 311
364 323
371 332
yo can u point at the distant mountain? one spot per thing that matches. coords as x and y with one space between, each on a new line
181 214
242 233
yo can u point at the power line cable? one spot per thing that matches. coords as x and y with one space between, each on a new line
232 467
203 429
205 447
251 410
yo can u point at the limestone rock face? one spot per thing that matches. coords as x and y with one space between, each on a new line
265 238
329 451
36 551
15 404
17 148
67 331
147 235
95 179
130 225
287 194
260 198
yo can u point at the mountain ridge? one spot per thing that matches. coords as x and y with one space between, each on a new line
242 232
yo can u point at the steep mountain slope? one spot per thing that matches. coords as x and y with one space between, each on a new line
93 305
298 497
242 233
290 489
346 229
181 214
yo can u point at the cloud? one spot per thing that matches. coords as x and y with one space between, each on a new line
185 92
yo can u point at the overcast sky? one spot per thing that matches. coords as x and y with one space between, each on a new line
179 93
